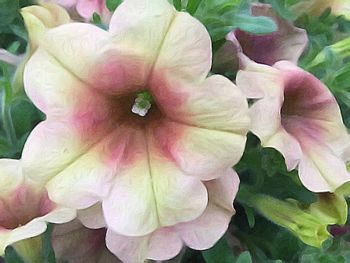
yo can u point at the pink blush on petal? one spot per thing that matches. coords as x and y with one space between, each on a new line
23 205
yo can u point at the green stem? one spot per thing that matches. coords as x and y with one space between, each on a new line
5 107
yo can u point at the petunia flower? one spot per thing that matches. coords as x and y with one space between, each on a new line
86 8
146 170
74 243
166 242
297 115
317 7
24 206
287 43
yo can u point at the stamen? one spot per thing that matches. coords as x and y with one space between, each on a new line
142 104
141 107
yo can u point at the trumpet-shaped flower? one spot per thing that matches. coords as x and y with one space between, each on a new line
317 7
74 243
296 114
166 242
287 43
96 146
24 207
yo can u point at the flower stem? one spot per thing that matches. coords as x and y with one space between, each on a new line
5 107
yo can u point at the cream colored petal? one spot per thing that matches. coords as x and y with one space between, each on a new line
35 227
320 170
162 244
198 151
186 49
206 230
10 176
139 27
62 145
149 191
76 46
83 182
287 145
258 81
92 217
215 103
52 88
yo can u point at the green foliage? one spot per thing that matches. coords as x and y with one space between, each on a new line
11 256
245 257
221 17
221 252
113 4
47 251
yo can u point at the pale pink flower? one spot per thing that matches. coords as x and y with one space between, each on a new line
297 115
24 206
147 171
287 43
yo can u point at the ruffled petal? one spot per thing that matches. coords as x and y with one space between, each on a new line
162 244
320 170
287 145
203 232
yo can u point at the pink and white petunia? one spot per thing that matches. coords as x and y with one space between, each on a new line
146 170
317 7
24 207
86 8
287 43
166 242
74 243
297 115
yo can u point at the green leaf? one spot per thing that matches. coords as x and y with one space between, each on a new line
112 4
250 215
244 257
11 256
280 7
8 11
192 6
96 19
258 25
192 256
177 4
221 252
48 252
